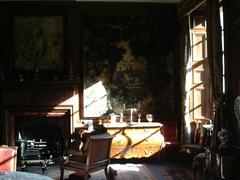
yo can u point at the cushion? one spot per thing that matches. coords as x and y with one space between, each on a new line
8 158
77 176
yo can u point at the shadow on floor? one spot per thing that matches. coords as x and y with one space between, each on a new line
127 170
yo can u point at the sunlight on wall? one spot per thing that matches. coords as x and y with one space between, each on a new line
95 100
95 104
74 103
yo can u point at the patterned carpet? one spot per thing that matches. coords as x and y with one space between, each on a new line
175 173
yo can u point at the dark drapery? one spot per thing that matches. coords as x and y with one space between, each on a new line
185 57
215 63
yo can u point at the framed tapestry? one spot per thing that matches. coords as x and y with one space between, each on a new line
128 64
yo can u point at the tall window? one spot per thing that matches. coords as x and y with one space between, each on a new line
200 92
222 36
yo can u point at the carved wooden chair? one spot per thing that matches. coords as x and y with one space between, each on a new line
8 158
197 145
96 157
200 150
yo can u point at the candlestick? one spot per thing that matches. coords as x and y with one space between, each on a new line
121 117
139 117
131 117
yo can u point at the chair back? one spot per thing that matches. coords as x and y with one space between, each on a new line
99 150
96 157
8 158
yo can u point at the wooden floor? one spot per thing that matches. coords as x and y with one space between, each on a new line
133 171
126 171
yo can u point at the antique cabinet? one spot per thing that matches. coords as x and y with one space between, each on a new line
135 140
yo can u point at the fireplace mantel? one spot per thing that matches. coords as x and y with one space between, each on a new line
38 98
40 84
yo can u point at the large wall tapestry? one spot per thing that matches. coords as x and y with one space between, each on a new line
129 61
38 43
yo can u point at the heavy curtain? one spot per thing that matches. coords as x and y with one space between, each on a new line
215 63
185 53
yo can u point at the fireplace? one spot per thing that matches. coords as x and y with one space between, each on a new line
39 117
50 132
40 134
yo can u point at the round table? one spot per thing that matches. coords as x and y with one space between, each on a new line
19 175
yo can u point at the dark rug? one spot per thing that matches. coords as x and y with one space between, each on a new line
175 173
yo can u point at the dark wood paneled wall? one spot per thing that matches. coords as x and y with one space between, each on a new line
72 13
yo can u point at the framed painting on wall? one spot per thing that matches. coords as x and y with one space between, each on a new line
38 43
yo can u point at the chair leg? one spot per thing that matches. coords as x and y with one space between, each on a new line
112 173
86 175
44 167
23 166
61 173
106 173
194 169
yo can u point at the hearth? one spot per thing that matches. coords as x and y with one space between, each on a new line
34 152
40 138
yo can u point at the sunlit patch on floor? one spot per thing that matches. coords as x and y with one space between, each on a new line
126 167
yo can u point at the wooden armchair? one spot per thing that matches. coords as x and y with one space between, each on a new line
96 157
8 158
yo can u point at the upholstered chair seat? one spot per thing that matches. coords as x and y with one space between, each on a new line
8 158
